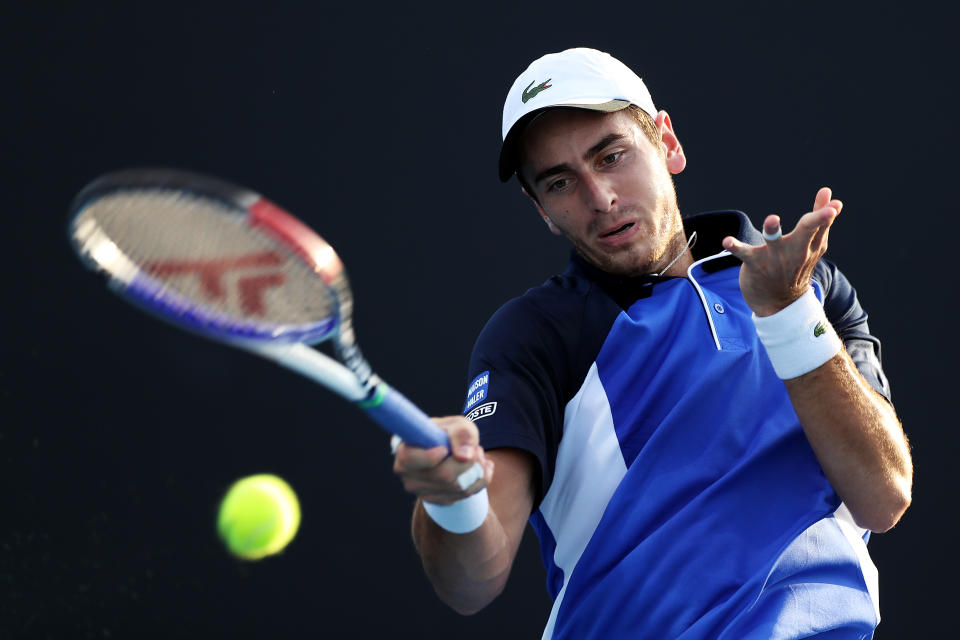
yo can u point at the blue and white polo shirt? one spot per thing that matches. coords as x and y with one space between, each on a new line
678 496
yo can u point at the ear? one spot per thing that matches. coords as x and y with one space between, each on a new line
676 160
543 214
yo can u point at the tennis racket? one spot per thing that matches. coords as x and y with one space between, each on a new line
223 262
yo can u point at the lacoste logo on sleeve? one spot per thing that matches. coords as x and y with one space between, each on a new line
529 93
482 411
819 330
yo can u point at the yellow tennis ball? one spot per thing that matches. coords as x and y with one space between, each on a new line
258 516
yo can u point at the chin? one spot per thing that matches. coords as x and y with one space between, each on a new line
624 265
630 261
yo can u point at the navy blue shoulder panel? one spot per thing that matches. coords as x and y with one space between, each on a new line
535 352
850 321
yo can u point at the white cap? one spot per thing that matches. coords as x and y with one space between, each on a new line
579 78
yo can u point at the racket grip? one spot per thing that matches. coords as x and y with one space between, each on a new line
391 410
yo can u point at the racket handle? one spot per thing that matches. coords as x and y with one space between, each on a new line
391 410
387 406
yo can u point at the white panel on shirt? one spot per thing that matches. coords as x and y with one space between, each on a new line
854 536
588 470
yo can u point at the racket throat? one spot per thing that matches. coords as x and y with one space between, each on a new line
349 354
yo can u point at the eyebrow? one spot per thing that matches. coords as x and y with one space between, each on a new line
604 142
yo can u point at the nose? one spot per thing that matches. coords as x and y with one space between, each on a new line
599 193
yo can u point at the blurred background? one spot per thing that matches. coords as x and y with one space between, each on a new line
379 126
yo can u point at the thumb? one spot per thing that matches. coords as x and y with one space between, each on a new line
464 438
735 247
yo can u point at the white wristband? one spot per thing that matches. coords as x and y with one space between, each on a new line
463 516
798 338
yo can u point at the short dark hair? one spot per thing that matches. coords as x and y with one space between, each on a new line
644 121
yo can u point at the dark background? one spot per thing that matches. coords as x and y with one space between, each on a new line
379 126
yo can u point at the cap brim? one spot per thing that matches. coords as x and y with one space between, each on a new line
508 151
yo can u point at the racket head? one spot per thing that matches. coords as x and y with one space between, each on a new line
211 257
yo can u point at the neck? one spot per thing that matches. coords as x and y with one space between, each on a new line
679 258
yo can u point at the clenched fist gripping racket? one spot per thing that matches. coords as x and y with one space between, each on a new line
226 263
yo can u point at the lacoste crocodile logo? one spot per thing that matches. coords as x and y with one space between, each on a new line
819 330
528 93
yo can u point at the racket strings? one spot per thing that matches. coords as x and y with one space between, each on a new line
203 253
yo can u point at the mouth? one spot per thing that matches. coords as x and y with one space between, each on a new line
617 231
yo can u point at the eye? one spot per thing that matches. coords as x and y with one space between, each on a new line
611 158
557 185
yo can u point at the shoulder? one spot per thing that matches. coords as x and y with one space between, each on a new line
551 310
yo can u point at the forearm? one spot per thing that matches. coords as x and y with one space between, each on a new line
854 432
467 570
857 439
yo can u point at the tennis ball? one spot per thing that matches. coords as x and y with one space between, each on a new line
258 516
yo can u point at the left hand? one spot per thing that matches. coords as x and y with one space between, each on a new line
776 273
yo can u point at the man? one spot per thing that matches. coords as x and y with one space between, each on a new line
693 416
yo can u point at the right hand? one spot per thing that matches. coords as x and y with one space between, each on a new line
431 474
775 274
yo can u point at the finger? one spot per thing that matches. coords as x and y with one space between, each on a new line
818 243
449 480
410 458
478 481
836 204
464 437
771 228
421 485
811 224
487 467
823 197
445 476
478 475
470 477
739 249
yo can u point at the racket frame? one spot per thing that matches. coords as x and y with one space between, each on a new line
354 379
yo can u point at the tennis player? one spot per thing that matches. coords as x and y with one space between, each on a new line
692 416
